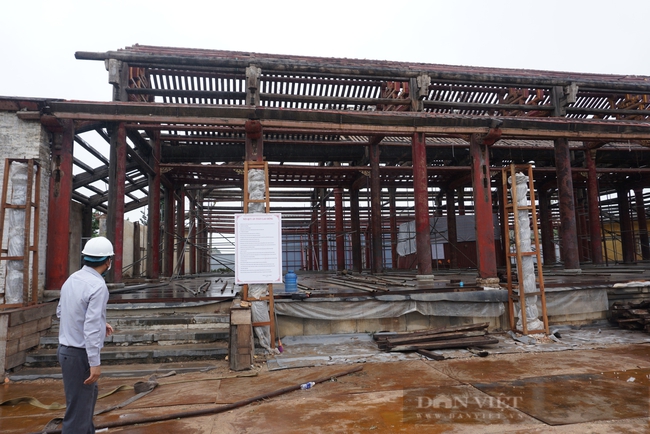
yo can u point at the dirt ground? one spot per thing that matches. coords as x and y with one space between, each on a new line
582 390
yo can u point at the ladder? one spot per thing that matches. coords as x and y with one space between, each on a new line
516 293
260 165
29 255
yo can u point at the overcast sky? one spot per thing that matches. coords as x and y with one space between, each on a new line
41 37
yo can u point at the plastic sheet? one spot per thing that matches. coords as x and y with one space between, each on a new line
259 309
342 310
16 233
479 304
465 232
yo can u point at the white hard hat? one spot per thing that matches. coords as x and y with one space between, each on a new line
98 247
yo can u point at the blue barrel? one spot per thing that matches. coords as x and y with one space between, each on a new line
290 281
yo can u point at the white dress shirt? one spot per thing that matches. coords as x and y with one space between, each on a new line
82 312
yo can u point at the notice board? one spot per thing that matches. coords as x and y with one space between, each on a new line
258 248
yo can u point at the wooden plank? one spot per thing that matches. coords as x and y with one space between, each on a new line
436 337
431 354
449 343
467 327
23 315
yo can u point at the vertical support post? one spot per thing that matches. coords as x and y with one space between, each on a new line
500 209
202 238
627 237
87 222
451 230
546 227
581 223
153 213
192 235
393 227
136 250
355 228
643 224
180 231
323 232
375 206
568 226
421 193
315 233
116 190
340 231
485 250
58 234
169 231
595 234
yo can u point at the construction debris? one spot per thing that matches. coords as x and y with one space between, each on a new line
449 337
631 315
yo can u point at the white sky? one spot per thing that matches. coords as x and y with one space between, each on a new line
41 37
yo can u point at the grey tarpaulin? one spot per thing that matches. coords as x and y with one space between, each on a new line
480 304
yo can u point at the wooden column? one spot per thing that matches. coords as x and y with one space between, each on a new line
323 232
137 254
355 229
421 193
546 227
180 231
393 227
202 238
568 227
116 191
375 206
627 236
643 224
192 236
58 233
314 234
340 231
595 234
169 231
153 212
485 250
451 230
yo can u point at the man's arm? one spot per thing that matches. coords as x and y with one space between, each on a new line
95 372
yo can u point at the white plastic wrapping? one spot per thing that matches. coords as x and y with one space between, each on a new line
16 233
465 232
259 309
527 263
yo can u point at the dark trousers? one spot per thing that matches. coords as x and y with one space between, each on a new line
79 398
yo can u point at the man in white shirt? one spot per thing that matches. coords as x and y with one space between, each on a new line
82 329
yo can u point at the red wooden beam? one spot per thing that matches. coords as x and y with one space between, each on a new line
485 250
153 230
340 233
117 183
568 225
58 233
421 193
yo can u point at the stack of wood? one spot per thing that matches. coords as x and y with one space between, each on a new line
450 337
631 315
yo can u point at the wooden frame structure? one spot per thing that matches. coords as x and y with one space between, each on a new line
183 114
516 293
29 255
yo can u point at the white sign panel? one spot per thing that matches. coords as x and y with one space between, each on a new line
258 248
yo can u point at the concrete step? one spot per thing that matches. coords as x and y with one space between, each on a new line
140 354
167 336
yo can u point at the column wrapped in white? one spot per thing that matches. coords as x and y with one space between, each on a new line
260 309
527 272
16 233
